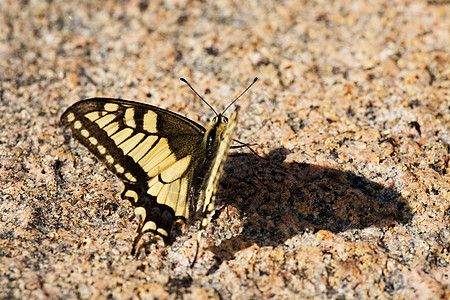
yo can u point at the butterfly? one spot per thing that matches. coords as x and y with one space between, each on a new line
169 165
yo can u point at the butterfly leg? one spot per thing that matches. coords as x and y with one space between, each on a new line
198 245
135 243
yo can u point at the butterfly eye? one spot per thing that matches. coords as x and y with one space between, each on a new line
220 119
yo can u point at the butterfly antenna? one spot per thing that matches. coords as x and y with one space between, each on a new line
189 85
254 80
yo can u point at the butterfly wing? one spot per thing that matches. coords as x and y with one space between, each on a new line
153 151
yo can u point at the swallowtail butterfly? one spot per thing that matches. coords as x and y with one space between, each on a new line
169 165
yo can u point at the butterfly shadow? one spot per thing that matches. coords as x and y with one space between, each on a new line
280 200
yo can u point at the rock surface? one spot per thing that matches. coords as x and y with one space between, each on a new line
351 113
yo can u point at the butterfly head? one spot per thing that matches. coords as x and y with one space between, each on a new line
220 118
214 133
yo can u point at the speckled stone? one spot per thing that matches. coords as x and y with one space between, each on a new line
351 116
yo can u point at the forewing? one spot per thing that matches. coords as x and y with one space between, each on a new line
151 149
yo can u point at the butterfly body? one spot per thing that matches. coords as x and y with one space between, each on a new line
169 165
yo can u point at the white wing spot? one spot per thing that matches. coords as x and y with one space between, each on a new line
129 118
141 213
101 149
111 107
150 225
119 168
93 140
132 194
149 121
70 117
162 232
77 125
130 177
109 159
84 133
